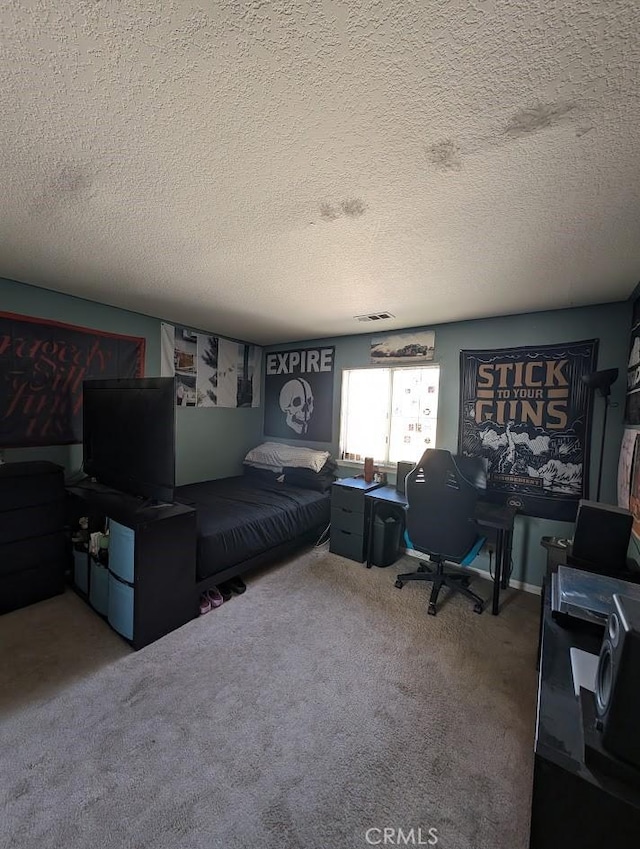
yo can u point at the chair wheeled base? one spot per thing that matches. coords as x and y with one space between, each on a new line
457 582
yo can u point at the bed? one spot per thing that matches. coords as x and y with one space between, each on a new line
248 521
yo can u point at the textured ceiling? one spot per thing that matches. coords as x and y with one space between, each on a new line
269 170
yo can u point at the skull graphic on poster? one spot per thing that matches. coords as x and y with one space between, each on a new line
296 402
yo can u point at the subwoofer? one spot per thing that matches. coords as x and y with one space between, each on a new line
617 694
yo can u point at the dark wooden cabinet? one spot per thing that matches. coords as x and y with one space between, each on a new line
152 563
33 550
350 516
573 806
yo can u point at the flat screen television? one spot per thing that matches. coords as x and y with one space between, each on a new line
129 435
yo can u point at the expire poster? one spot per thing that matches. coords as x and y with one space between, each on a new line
528 412
298 388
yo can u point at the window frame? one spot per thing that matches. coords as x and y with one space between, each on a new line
387 465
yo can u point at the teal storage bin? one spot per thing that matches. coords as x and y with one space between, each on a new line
81 570
99 587
121 551
120 607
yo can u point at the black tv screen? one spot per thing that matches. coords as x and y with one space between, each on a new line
129 435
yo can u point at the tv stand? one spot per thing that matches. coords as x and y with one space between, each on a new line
152 561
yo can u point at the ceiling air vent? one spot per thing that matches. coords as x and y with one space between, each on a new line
374 316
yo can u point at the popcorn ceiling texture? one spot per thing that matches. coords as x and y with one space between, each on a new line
269 170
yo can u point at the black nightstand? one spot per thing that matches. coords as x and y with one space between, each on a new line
350 518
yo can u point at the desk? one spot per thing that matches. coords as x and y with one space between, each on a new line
488 516
573 806
498 518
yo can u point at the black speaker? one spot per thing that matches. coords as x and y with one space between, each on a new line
401 475
601 537
617 695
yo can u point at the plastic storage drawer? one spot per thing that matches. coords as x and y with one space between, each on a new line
120 607
99 587
122 541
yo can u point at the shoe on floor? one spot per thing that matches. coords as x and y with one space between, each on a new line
237 585
215 597
225 590
205 604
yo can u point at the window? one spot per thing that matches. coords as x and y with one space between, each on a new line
389 414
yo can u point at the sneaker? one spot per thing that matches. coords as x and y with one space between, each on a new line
225 590
237 585
215 597
205 604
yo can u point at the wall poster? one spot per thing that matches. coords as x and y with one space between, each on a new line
298 389
403 348
210 371
634 492
632 406
528 412
42 366
625 466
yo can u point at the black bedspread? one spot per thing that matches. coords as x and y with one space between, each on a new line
240 518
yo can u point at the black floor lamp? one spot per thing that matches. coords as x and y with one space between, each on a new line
602 381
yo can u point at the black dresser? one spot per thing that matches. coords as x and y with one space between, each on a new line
33 550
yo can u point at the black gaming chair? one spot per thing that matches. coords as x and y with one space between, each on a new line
442 491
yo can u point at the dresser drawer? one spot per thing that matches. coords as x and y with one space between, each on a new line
347 499
347 520
347 544
30 522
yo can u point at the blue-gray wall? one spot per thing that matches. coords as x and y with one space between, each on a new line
610 323
210 443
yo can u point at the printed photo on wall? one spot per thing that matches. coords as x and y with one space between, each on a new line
185 367
528 412
625 466
632 407
299 394
634 492
210 371
228 373
403 348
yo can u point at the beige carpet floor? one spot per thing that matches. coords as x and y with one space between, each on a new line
320 704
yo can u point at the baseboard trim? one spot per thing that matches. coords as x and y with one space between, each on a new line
513 582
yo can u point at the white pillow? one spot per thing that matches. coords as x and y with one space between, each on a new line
278 454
